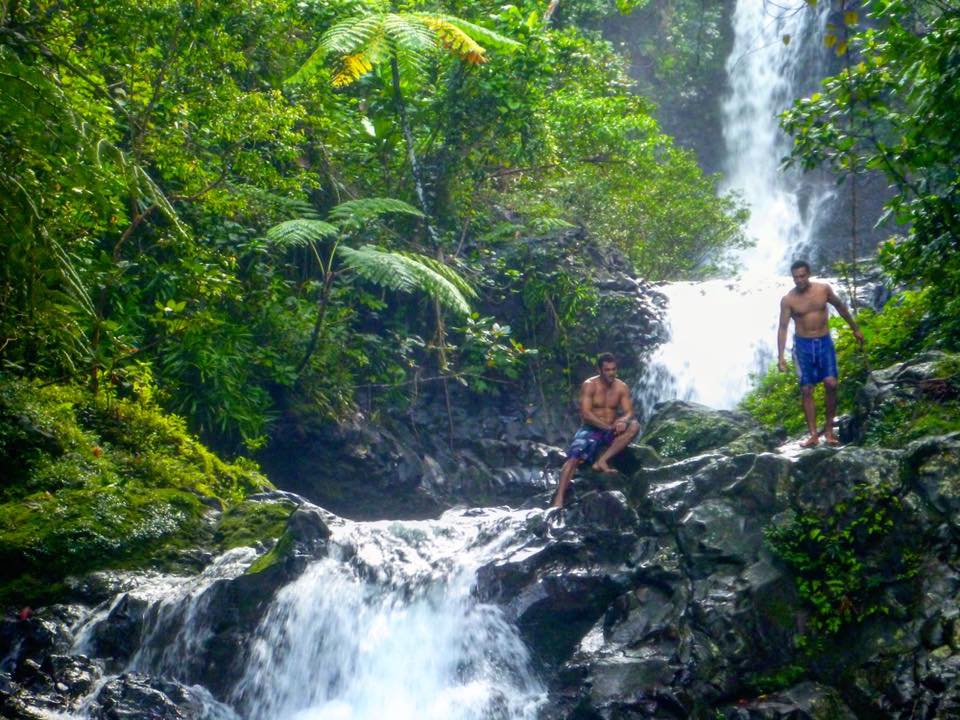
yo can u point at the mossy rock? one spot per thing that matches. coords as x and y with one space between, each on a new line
105 483
681 429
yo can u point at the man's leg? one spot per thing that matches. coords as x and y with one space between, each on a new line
830 397
618 444
566 473
810 411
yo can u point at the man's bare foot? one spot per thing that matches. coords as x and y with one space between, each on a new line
831 439
811 442
604 468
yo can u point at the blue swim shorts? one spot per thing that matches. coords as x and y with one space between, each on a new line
589 442
815 359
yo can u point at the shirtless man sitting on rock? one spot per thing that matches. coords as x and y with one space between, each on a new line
608 424
813 351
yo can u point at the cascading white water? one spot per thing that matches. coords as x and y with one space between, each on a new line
723 331
387 626
396 633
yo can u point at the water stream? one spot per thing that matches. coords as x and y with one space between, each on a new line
387 626
724 330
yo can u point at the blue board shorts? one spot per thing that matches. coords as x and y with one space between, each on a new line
815 359
589 442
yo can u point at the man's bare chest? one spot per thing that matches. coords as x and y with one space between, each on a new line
801 305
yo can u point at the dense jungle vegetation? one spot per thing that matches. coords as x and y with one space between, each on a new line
892 109
226 210
246 205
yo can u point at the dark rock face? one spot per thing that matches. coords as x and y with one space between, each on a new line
478 451
653 594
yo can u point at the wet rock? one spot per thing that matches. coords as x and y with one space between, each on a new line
806 701
681 429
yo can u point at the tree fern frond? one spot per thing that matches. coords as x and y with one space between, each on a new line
400 272
313 65
550 224
350 68
350 36
409 33
456 40
153 191
489 39
441 268
300 232
365 209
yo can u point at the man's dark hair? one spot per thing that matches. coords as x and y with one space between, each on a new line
605 357
800 264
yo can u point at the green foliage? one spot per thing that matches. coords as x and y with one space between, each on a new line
166 196
102 482
775 680
843 559
894 334
893 110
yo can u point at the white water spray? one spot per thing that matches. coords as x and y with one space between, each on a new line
388 626
722 331
395 632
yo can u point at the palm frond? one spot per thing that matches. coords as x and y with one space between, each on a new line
71 277
300 232
366 209
405 274
441 268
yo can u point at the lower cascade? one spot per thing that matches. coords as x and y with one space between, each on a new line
387 626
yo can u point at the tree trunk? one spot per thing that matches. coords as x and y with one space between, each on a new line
401 109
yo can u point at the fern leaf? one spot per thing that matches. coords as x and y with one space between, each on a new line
489 39
291 207
456 40
446 271
350 36
366 209
408 32
350 68
405 274
300 232
310 68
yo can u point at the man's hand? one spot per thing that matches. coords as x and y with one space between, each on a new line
858 334
782 365
619 427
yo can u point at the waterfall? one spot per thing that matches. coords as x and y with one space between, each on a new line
386 626
396 633
722 331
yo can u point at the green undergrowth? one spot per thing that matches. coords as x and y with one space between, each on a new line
845 557
897 333
100 482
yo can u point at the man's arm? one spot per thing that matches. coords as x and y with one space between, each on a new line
782 332
586 408
626 408
844 312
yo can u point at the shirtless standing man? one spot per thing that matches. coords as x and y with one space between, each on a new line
813 351
603 431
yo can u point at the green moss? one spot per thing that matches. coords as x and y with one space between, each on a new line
901 422
277 554
777 679
102 482
251 522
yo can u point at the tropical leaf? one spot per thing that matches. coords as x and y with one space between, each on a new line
366 209
403 273
490 39
456 40
350 68
300 232
441 268
350 36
